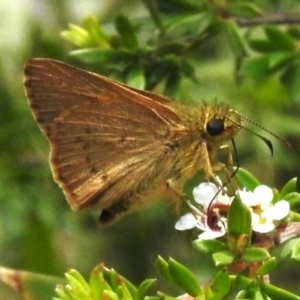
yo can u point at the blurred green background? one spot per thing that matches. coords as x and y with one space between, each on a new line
38 230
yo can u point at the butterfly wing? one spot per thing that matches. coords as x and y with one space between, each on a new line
105 138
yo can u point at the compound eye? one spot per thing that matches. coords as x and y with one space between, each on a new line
215 127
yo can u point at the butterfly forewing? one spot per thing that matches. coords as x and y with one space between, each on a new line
104 137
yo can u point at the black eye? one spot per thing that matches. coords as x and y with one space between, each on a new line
215 127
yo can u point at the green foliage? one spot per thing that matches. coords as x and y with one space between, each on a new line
103 284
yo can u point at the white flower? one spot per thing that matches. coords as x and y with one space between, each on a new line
209 219
264 213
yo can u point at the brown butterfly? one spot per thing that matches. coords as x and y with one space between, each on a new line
112 146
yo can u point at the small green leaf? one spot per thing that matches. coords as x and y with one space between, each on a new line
76 280
246 179
184 278
125 291
30 286
109 295
255 254
287 248
112 278
292 198
244 10
157 298
280 40
127 286
97 35
218 287
296 252
268 266
288 188
172 83
234 39
260 45
209 246
294 32
279 59
188 70
163 268
101 56
178 6
275 292
127 32
291 79
163 296
256 67
223 258
239 219
97 283
77 36
144 287
241 283
181 25
136 78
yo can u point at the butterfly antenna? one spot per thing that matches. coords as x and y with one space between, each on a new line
284 141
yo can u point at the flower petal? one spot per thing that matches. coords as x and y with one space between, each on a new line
280 210
264 227
210 235
263 195
186 222
247 197
204 193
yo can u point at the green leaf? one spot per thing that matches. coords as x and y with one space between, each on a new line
209 246
184 278
127 32
172 83
178 6
279 40
244 10
188 70
182 25
76 280
136 78
101 56
296 252
144 287
112 278
30 286
77 36
255 254
234 39
291 79
163 296
294 32
292 198
256 67
276 293
287 248
288 188
163 268
246 179
260 45
97 283
223 258
97 35
241 283
239 219
279 59
218 287
268 266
